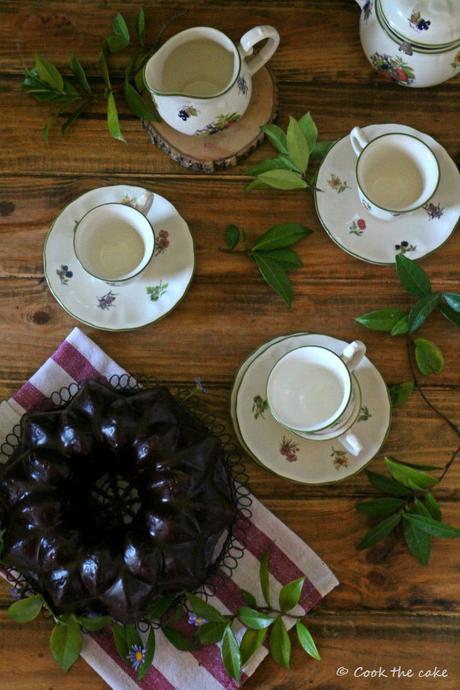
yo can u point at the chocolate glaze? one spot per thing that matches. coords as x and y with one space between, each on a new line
114 501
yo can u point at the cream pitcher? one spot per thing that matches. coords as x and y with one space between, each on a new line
201 82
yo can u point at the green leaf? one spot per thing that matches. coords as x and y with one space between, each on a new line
256 184
290 594
116 42
119 26
210 633
65 643
149 653
309 130
275 276
249 598
416 466
419 508
381 319
203 609
428 356
280 644
400 392
113 124
386 485
433 506
453 300
105 68
231 654
422 309
276 136
25 610
70 89
321 149
137 105
264 577
298 150
160 607
254 619
250 643
410 477
278 163
46 130
306 640
449 314
412 277
178 639
280 236
80 74
432 527
140 25
418 542
132 635
95 622
282 179
232 236
119 637
380 507
286 257
48 73
72 117
380 531
401 327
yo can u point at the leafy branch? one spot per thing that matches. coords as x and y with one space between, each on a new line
408 508
271 253
295 147
75 95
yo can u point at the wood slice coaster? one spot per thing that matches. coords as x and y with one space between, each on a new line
226 148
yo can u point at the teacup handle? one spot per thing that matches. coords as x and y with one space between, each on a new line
358 139
351 443
253 36
353 354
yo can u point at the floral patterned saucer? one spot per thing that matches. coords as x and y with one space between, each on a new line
349 224
287 454
144 300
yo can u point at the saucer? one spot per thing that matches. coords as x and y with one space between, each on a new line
355 230
287 454
144 300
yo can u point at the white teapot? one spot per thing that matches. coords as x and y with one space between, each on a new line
414 42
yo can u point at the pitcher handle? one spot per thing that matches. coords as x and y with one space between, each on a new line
358 140
253 36
353 354
351 443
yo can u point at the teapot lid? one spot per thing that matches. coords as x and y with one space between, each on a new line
427 22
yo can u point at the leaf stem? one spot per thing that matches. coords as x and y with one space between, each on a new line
226 250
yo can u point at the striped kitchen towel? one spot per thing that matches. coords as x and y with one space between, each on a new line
79 358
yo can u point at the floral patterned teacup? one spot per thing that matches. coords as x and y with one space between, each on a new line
201 82
396 173
312 392
114 242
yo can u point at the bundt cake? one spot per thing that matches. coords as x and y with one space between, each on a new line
114 501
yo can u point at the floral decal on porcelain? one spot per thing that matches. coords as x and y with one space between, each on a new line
393 67
456 62
221 122
364 414
340 458
156 291
366 204
357 227
187 111
367 10
162 242
129 201
337 184
107 301
64 274
417 22
404 247
259 407
242 85
434 211
289 449
406 48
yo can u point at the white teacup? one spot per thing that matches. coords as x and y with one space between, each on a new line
396 173
311 391
114 242
201 82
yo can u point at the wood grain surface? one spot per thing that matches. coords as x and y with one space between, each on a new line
388 611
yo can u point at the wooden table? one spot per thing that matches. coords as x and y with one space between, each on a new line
387 611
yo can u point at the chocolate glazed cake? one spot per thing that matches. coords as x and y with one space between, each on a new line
114 501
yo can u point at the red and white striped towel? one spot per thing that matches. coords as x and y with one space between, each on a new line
79 358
